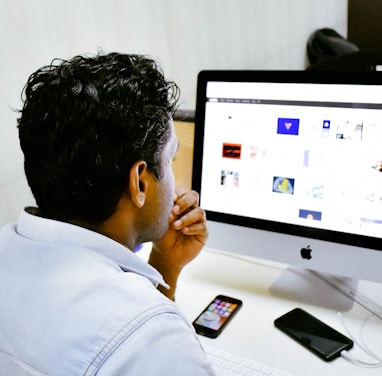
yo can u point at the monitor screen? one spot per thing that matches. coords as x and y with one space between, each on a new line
288 165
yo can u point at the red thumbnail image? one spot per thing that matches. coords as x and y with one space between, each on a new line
232 151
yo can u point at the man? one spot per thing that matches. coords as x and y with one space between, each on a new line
98 142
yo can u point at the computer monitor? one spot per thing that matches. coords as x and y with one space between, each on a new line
288 168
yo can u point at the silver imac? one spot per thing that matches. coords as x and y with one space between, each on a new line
288 165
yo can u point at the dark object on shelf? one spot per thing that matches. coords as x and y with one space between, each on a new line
328 50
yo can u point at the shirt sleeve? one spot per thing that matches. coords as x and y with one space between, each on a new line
164 345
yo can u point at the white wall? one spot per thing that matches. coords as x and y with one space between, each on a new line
185 36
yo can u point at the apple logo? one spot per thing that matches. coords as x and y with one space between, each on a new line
306 252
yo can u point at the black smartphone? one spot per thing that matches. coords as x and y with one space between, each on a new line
216 316
313 334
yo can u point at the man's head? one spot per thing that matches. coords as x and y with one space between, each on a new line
84 124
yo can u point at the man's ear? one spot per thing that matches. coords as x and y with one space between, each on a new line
138 183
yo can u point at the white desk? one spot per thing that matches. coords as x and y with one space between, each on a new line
252 333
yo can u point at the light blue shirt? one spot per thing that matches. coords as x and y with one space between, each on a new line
74 302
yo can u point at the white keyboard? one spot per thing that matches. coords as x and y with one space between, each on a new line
228 364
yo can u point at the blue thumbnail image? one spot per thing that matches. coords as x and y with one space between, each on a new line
310 214
288 126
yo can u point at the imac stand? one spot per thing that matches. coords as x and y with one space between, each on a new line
311 287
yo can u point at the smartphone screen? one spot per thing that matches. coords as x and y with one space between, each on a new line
216 315
313 334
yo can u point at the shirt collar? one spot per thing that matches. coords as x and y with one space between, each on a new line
34 227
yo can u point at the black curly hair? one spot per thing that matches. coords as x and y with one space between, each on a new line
84 123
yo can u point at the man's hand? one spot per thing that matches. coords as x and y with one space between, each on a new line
184 239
